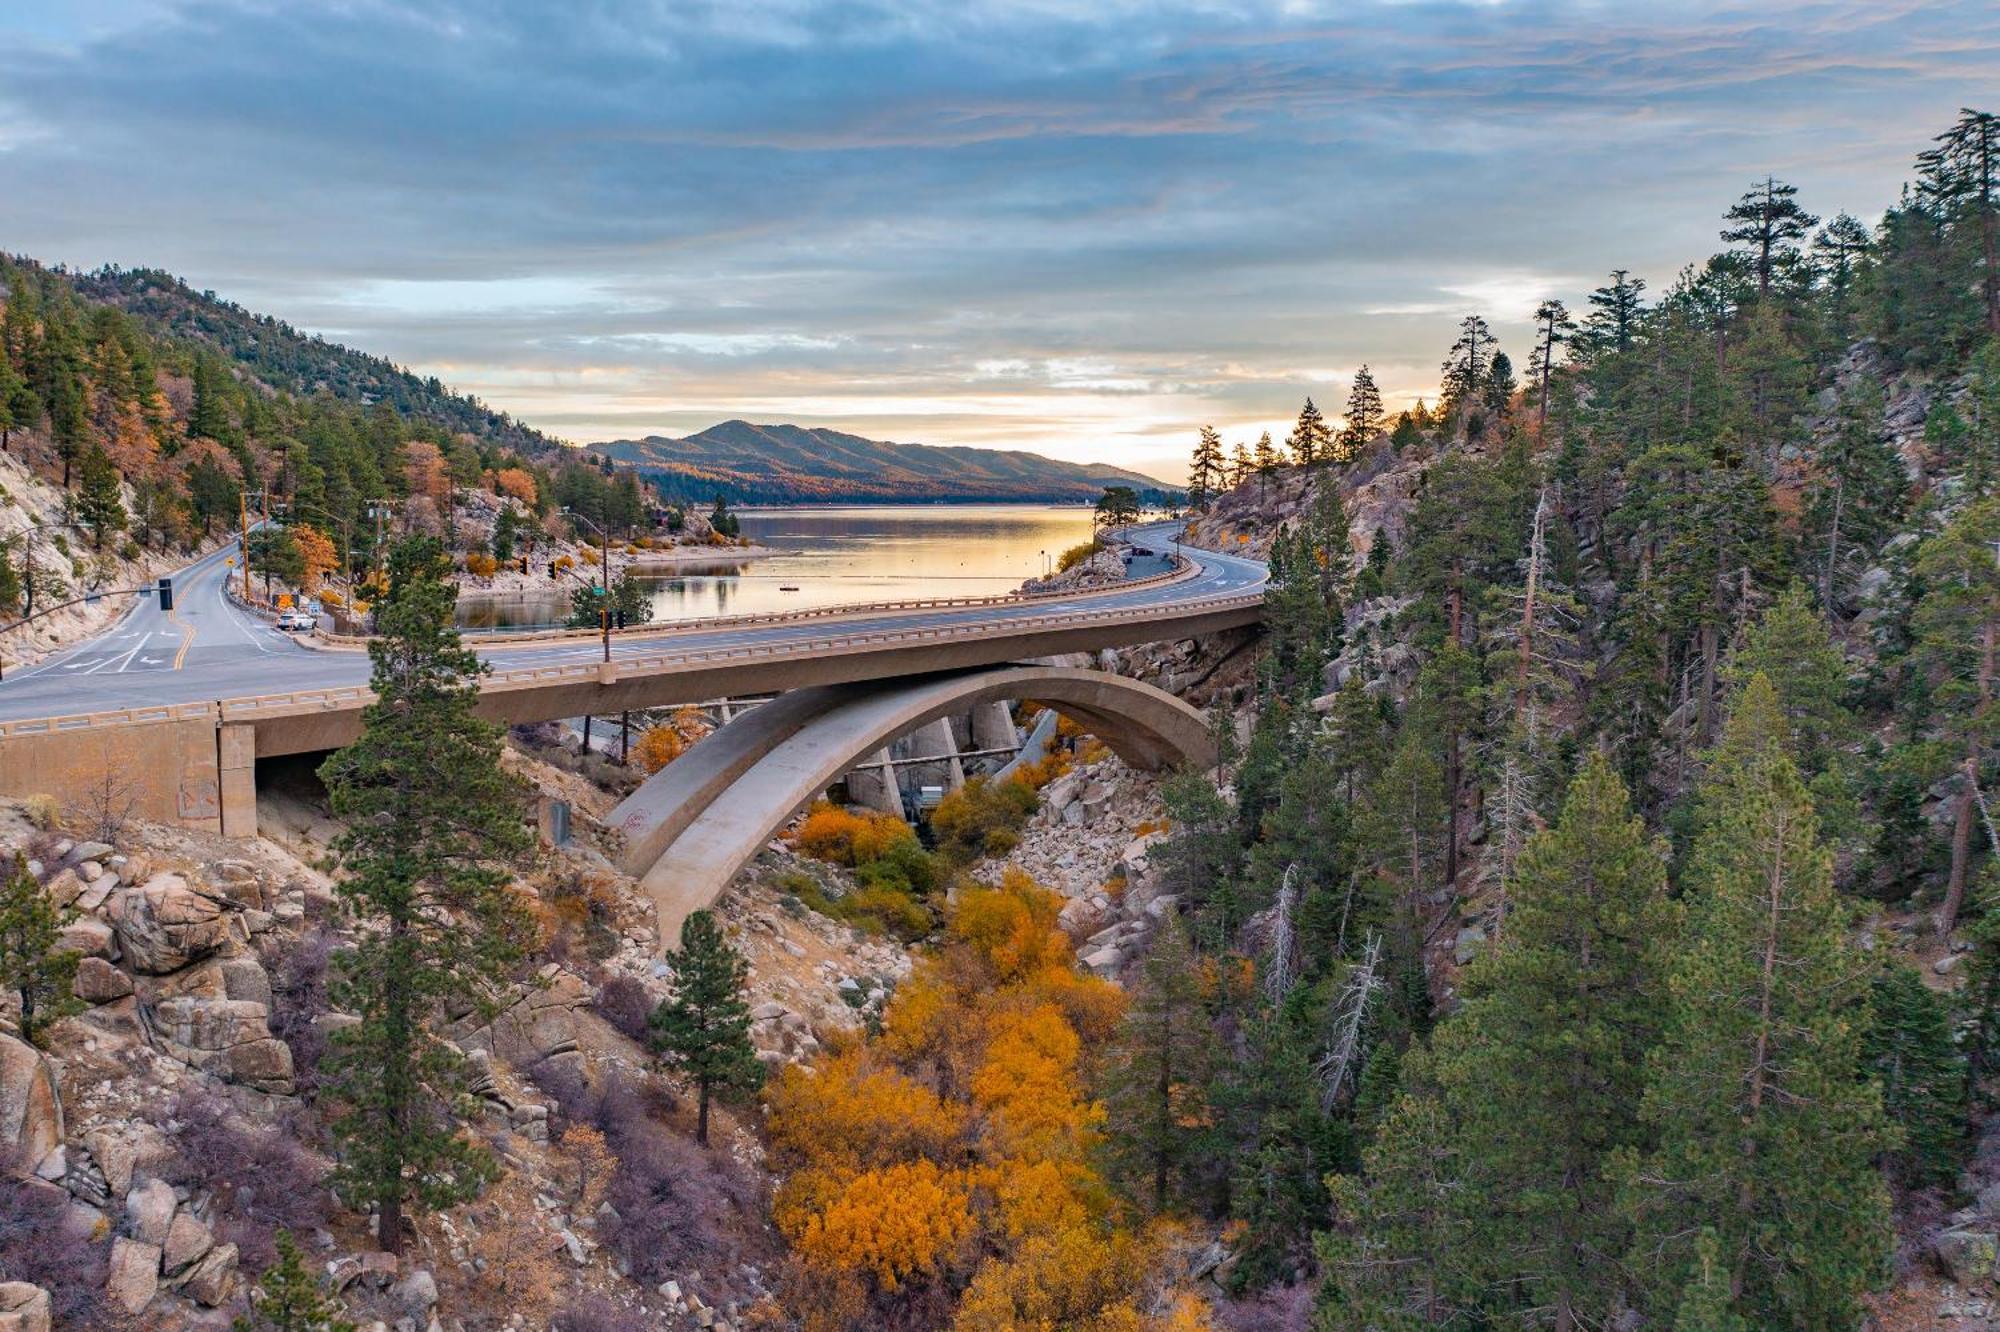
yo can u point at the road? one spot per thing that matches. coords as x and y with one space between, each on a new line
208 649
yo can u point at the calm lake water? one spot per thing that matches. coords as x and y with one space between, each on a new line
843 555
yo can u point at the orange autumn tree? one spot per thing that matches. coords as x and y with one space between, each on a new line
940 1174
515 482
316 553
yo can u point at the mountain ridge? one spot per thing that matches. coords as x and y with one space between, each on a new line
749 462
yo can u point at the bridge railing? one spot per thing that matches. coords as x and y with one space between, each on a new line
83 721
1185 570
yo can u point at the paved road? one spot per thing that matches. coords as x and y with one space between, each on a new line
209 649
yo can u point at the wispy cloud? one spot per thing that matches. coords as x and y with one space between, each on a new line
1083 227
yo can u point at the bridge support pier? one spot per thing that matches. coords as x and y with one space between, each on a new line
993 726
873 784
935 740
236 773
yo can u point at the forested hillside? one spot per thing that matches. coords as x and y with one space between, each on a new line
160 416
788 464
1604 900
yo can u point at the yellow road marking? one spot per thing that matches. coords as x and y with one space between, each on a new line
187 640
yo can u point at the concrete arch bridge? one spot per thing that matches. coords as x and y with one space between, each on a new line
694 825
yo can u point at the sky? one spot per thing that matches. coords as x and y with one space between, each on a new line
1084 229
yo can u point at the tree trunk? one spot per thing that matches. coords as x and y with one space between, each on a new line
1961 855
389 1225
1961 829
701 1113
1833 547
1705 705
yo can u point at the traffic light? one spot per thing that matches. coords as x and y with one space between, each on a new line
524 564
166 595
552 571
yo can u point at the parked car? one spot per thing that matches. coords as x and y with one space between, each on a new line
298 621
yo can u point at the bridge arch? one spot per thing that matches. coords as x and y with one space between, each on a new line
694 825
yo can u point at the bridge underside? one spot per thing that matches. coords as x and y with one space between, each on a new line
694 825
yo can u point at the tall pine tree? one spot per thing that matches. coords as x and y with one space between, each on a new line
704 1029
1767 1126
431 819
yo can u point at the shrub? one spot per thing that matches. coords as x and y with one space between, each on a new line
623 1002
481 565
678 1207
298 997
658 747
965 822
1074 556
260 1179
882 909
845 837
41 1244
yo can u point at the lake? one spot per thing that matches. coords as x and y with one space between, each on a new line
839 555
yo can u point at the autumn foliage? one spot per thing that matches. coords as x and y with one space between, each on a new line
940 1174
848 837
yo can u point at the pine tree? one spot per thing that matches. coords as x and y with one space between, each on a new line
1705 1304
209 418
1266 459
289 1298
431 818
1768 221
1964 171
11 388
1198 861
1404 1252
100 503
1466 365
1498 395
1616 310
1311 439
31 964
1553 329
1767 1128
1281 1142
1541 1067
1240 466
10 582
1205 470
1791 646
1839 250
1857 490
704 1029
1364 417
1912 1053
1158 1072
1957 624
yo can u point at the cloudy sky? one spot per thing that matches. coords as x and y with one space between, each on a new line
1079 226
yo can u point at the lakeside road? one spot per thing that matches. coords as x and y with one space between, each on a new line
210 649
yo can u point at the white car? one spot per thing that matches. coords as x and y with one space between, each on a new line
298 621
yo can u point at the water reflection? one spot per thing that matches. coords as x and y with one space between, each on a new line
845 555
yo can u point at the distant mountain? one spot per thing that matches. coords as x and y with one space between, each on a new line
788 464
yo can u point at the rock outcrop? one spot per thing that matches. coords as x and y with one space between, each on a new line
164 925
31 1121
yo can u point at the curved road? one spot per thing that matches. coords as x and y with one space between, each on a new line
208 649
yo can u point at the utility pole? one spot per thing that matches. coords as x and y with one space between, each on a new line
243 527
603 576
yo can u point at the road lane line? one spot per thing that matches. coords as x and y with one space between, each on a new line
187 637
